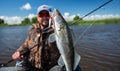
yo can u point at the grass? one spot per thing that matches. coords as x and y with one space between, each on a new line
15 25
82 22
2 24
97 22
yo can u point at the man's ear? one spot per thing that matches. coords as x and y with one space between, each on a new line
37 17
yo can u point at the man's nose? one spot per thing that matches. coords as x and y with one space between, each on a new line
44 17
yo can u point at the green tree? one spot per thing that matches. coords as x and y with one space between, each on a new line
76 17
26 21
34 20
1 21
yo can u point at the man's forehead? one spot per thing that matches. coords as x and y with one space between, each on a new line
44 11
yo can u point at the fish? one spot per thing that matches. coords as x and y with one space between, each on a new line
65 42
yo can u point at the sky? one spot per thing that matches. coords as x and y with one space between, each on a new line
14 11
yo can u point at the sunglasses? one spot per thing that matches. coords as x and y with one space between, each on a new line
44 14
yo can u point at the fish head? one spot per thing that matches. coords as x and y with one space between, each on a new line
59 21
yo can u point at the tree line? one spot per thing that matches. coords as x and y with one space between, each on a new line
28 21
1 21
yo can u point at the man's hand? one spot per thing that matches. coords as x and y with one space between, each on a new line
17 55
52 26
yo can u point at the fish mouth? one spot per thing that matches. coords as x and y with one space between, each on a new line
58 19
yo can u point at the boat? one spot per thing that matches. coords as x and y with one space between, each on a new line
55 68
12 69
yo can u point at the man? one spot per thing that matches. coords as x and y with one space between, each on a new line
43 53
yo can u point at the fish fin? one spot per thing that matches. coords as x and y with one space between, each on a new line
76 60
60 61
73 35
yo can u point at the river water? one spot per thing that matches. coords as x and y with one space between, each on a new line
99 46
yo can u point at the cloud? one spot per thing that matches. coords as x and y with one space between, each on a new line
99 17
68 17
15 19
12 20
27 6
30 16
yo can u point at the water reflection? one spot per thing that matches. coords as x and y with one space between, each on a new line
99 47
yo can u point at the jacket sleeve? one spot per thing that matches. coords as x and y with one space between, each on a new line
26 44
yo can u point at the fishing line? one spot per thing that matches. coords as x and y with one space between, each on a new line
92 11
90 24
83 33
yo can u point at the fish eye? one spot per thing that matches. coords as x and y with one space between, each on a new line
58 28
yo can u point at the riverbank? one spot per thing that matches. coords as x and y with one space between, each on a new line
82 22
97 22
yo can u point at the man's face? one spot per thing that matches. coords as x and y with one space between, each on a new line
43 18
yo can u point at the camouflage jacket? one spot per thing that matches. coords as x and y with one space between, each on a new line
43 56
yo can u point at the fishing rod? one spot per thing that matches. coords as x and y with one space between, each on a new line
92 11
87 15
25 52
